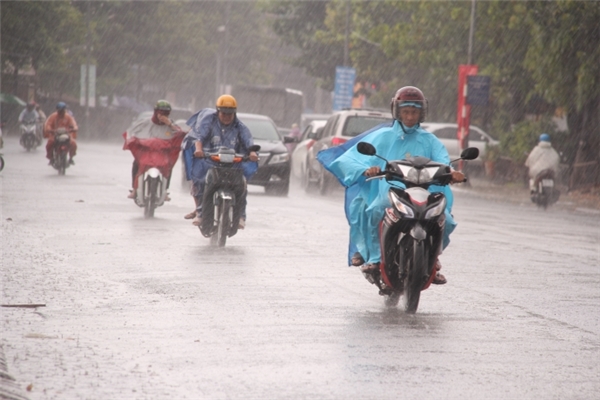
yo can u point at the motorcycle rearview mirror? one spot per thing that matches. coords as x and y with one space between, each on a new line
254 148
366 148
470 153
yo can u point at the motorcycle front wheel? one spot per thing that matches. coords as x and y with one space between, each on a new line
150 204
415 278
223 223
62 163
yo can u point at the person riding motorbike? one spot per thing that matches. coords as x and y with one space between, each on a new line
159 125
61 119
542 157
220 128
30 113
41 121
366 201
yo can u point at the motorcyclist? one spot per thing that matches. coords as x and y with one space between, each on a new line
220 128
366 201
29 113
41 121
61 119
160 126
542 157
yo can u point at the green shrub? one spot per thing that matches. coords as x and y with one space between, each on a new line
517 144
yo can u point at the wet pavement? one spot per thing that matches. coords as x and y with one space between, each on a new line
147 309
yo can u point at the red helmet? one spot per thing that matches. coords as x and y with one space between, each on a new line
409 96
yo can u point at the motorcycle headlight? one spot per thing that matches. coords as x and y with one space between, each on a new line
437 210
279 158
420 176
400 206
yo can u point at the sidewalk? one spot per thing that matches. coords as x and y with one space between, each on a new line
585 201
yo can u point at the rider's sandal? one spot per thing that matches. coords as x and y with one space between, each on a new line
191 215
197 221
131 195
242 223
357 260
438 279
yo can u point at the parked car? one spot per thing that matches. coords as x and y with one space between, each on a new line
447 133
274 165
306 141
340 127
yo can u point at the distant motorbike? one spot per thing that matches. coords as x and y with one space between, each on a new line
411 230
29 137
60 151
545 193
225 186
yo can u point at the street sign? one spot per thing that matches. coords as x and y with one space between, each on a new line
91 89
344 87
478 90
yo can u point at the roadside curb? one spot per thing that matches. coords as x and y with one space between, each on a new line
515 193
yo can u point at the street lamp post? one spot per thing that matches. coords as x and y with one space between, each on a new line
220 29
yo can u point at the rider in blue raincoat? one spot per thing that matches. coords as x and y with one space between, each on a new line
212 129
366 201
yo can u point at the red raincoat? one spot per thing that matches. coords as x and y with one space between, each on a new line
154 152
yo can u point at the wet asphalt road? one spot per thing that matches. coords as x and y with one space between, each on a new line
147 309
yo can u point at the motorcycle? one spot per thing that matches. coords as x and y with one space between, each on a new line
29 137
151 191
60 151
221 202
411 230
545 192
155 158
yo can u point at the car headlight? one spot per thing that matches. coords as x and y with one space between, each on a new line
279 158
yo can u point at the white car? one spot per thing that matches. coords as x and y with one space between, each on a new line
307 139
447 133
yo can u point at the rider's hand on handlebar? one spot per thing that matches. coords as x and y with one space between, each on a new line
457 177
253 156
372 171
199 153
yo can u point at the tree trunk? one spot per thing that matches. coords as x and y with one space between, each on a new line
584 127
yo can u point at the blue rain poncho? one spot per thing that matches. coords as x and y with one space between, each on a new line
206 128
365 202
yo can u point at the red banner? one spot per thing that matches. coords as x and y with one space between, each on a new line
463 112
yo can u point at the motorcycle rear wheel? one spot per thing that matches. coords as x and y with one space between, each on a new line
392 299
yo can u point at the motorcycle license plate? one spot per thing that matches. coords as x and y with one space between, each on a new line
547 182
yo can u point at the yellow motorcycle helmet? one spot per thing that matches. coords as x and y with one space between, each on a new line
226 104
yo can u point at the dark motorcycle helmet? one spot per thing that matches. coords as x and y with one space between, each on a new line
61 106
409 96
31 105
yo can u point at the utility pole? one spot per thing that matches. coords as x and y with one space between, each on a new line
347 33
87 70
471 33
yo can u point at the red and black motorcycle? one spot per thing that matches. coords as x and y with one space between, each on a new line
411 230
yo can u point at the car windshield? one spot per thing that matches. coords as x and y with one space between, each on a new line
261 129
357 125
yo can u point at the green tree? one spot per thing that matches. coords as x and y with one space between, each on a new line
564 59
43 35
